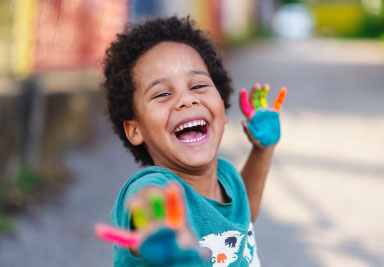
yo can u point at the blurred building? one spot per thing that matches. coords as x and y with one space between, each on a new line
39 35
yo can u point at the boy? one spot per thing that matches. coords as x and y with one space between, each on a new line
167 92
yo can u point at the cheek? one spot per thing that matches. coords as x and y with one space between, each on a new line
158 115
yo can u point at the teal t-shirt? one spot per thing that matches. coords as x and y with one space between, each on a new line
225 228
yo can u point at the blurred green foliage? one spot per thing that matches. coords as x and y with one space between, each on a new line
14 193
372 27
6 223
284 2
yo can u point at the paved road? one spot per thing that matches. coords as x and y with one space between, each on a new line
323 204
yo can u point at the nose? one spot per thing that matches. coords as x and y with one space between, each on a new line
186 99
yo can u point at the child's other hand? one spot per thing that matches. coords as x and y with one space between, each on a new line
158 218
263 124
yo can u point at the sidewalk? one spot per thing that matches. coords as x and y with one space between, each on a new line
323 204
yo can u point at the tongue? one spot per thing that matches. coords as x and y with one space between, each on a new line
190 135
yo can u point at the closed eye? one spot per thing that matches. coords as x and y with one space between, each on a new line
161 95
198 86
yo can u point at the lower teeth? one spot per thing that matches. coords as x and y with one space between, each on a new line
194 140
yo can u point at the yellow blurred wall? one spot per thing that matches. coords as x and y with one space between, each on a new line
337 18
16 37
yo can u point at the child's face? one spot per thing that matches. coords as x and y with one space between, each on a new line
174 91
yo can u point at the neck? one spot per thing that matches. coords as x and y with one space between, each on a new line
204 181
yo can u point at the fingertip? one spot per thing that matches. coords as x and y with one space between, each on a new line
243 93
175 210
205 253
257 85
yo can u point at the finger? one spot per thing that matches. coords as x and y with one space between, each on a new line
263 96
280 99
254 96
144 208
157 205
244 104
139 216
119 237
175 213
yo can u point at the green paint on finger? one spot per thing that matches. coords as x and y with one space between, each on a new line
158 206
255 98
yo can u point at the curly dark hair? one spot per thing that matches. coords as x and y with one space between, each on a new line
123 54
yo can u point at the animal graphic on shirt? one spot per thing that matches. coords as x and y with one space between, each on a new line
250 250
224 247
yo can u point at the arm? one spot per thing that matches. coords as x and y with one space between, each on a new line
263 131
254 174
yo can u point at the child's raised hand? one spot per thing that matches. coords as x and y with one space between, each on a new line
263 124
161 235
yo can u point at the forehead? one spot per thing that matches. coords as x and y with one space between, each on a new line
165 60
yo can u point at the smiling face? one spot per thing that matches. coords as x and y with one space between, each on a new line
180 115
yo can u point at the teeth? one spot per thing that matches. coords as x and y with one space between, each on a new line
190 124
194 140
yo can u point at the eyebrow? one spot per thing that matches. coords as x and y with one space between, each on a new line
152 84
161 80
199 72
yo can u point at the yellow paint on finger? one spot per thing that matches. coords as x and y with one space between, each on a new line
263 96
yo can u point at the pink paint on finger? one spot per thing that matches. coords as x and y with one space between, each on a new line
113 235
244 104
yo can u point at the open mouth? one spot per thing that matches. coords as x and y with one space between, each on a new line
192 131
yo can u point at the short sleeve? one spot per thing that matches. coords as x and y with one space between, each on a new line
148 180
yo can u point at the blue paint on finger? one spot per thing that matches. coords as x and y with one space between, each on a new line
265 127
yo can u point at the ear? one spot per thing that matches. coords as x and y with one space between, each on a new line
133 133
226 120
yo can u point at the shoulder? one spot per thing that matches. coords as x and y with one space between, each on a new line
227 170
226 165
230 177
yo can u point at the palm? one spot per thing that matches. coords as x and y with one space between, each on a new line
263 124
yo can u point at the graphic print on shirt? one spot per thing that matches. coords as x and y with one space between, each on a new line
250 250
224 247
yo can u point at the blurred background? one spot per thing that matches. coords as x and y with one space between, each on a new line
61 166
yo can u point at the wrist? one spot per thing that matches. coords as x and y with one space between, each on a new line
263 151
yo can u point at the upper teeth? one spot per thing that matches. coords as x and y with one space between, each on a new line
190 124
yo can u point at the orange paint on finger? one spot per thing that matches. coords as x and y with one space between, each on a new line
280 99
175 213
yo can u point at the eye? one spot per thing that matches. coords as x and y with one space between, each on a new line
161 95
198 86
